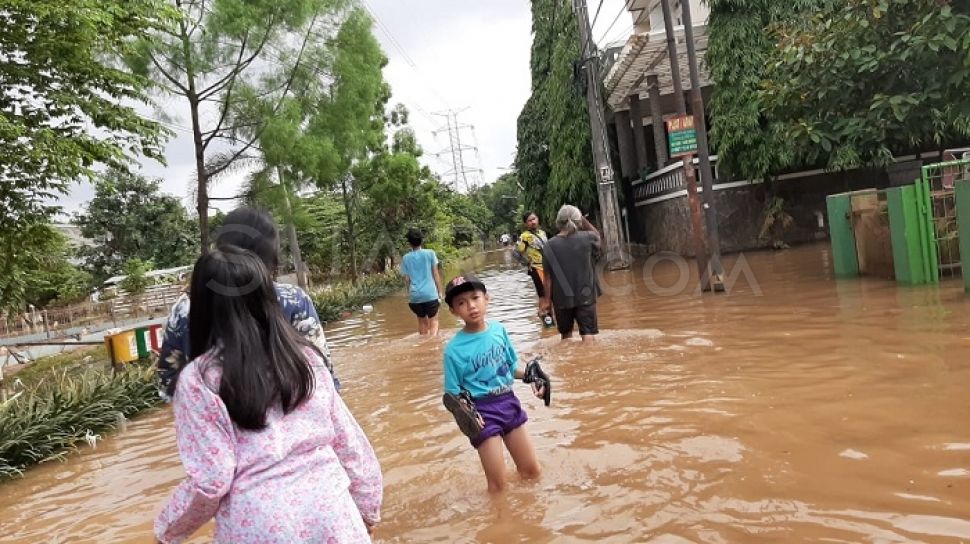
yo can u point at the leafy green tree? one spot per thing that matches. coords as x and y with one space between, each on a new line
65 108
350 121
35 269
554 158
867 80
836 84
503 199
129 219
319 131
740 47
136 282
58 281
398 193
224 58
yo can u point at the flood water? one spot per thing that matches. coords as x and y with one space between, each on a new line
797 408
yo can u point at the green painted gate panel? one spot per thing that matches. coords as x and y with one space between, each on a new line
906 240
961 191
844 257
927 229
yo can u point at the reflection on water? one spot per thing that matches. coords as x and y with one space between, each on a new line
821 410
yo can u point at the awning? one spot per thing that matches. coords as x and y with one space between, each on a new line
646 54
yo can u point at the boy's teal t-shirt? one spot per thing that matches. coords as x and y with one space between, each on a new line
417 265
481 362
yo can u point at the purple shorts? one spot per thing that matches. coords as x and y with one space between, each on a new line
502 414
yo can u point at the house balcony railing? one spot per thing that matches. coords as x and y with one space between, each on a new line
668 181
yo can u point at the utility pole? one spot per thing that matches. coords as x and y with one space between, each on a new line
616 257
714 270
690 174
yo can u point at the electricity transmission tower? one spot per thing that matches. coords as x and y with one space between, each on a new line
458 177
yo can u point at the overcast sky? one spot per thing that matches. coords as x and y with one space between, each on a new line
470 55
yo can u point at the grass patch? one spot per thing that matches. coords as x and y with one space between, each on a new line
36 371
341 297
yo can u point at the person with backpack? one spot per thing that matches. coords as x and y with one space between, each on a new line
529 252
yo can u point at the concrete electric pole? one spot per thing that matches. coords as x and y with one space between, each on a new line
715 270
616 256
709 281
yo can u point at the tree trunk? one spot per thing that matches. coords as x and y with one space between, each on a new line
298 267
350 231
202 177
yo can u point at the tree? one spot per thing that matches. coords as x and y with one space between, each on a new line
64 110
57 280
350 120
35 269
226 56
314 135
740 46
398 192
836 84
867 80
136 282
129 219
503 201
554 158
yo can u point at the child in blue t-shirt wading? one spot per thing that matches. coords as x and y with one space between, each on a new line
480 365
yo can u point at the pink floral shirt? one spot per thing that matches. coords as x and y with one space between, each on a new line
309 476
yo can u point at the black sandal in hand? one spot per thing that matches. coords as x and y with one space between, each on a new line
533 374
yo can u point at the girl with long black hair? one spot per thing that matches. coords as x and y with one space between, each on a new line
268 446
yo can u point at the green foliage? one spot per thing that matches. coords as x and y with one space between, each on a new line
835 84
739 49
868 80
58 281
129 219
135 282
554 156
342 297
258 63
503 200
52 418
65 108
35 268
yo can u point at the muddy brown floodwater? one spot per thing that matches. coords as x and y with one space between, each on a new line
821 410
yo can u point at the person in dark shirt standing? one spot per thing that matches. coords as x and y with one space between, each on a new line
570 282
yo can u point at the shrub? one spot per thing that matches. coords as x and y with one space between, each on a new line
48 421
345 296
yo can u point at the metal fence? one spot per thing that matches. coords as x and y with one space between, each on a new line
72 320
940 180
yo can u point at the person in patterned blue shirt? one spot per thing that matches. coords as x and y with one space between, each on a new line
256 231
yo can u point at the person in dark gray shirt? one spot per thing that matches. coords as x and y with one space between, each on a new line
570 277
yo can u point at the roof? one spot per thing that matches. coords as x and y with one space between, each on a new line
113 280
646 54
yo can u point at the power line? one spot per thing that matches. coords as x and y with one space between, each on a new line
387 32
597 15
618 36
615 19
400 48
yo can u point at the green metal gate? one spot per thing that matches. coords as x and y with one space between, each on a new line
937 186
